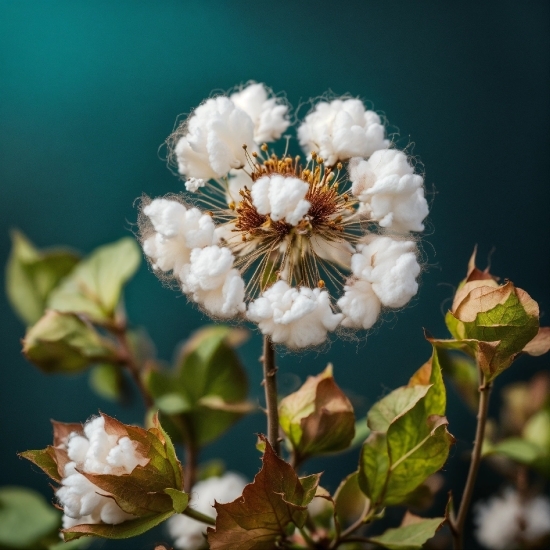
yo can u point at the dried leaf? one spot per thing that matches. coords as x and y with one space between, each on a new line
540 344
275 499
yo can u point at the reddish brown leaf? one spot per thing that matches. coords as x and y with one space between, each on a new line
274 500
540 344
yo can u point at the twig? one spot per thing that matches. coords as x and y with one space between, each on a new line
457 525
270 387
192 513
190 470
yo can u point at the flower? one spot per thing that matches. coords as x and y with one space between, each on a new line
505 522
342 129
101 468
188 533
281 242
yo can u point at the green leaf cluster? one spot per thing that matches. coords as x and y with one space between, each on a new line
409 440
205 392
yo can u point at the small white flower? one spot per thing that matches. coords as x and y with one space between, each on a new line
95 452
389 190
268 114
214 139
189 534
176 231
281 197
297 317
194 184
359 304
342 129
213 282
504 522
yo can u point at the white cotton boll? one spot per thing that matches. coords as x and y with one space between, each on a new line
95 452
504 521
178 230
268 115
359 305
390 193
213 282
194 184
390 266
238 180
342 129
283 198
213 144
295 317
189 534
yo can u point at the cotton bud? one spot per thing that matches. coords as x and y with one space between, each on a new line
116 480
318 418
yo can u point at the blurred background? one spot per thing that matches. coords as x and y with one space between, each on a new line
90 90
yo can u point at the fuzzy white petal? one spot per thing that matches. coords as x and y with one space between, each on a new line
389 191
359 305
342 129
213 144
295 317
268 114
189 534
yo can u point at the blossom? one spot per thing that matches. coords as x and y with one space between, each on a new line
505 522
100 468
188 533
342 129
299 317
299 248
268 114
389 191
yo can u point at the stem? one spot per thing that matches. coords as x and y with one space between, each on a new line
190 471
345 535
457 525
192 513
128 360
270 387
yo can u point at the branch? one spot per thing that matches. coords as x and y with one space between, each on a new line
192 513
270 387
457 525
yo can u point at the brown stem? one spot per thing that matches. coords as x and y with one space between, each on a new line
129 361
270 387
190 471
457 525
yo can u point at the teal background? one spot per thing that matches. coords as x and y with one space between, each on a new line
89 90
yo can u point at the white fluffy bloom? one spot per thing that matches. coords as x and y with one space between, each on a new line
385 273
342 129
283 198
297 317
389 190
267 113
213 282
189 534
194 184
503 522
213 144
178 230
95 452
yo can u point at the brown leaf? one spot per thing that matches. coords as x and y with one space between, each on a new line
257 519
62 430
540 344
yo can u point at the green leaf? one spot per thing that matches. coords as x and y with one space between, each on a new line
411 536
179 499
95 285
63 342
31 275
173 403
350 503
362 431
45 459
412 441
106 380
517 449
123 530
462 372
275 499
25 518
